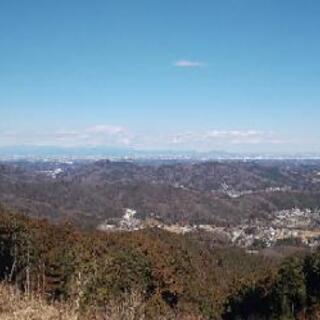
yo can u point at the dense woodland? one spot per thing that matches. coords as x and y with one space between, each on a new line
88 193
176 276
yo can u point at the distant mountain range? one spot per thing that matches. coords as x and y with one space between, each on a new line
100 152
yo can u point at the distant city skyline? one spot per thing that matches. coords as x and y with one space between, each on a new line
239 76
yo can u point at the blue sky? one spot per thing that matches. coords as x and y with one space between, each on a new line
238 75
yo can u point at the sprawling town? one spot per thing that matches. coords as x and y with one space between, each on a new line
286 225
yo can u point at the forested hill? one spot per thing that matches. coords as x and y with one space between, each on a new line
178 277
225 192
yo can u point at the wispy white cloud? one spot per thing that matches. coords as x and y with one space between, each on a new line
120 136
106 129
220 137
98 135
188 64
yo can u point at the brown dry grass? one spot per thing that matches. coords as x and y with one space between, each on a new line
15 305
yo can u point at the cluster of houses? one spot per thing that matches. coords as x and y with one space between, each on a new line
231 193
285 225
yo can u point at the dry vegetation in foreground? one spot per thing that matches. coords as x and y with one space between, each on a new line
16 305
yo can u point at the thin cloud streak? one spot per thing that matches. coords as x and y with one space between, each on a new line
232 137
98 135
189 64
119 136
